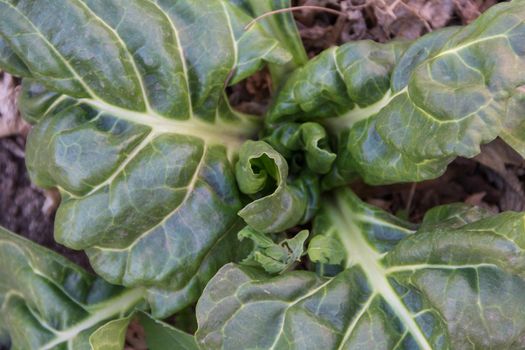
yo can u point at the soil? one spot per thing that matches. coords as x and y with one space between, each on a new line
493 180
23 206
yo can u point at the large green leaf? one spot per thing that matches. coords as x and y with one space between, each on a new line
456 286
402 112
162 336
134 129
48 302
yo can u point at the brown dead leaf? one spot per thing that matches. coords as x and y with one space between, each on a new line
468 10
380 203
476 198
253 94
497 155
51 202
412 18
135 336
512 200
10 121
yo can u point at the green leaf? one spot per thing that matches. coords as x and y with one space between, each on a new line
280 25
514 125
380 229
133 127
283 27
162 336
457 287
281 175
402 112
10 61
111 336
303 143
335 81
453 215
159 335
47 302
273 257
280 202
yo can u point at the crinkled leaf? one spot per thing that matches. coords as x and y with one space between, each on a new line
281 174
271 256
133 128
401 112
281 202
440 288
50 303
303 145
337 81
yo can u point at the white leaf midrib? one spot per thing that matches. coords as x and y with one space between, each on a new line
132 61
105 311
219 132
357 113
369 261
229 134
417 267
66 63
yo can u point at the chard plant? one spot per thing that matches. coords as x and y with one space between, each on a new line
177 198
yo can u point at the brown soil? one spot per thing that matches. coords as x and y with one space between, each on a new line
22 205
381 20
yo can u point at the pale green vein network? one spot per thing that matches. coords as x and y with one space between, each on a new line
130 57
49 286
181 54
368 259
189 189
307 295
355 320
